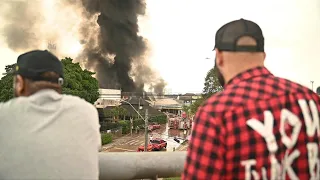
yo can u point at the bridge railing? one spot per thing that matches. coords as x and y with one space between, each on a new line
141 165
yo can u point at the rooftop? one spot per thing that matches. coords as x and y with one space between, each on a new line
110 91
165 102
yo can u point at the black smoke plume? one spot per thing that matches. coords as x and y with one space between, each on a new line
159 87
118 22
108 32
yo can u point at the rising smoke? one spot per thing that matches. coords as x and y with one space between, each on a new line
107 29
20 26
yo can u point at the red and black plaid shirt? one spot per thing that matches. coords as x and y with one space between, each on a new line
259 127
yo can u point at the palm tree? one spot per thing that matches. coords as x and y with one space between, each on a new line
117 112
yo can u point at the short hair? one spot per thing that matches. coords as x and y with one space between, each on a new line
35 86
246 41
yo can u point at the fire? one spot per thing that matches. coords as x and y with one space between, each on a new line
75 48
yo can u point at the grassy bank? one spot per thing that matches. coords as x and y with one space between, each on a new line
106 138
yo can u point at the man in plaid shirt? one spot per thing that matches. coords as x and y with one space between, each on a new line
260 126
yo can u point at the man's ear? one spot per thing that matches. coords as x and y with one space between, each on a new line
20 84
219 58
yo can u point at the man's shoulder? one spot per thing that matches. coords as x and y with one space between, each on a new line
292 86
239 94
296 90
262 88
212 110
14 103
215 103
14 106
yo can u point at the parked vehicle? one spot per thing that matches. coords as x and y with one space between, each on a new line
156 144
153 126
150 128
162 143
176 139
151 147
180 123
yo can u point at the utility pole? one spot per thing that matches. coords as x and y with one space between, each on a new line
312 85
131 125
146 131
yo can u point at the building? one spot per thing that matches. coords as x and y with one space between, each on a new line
188 98
108 97
139 104
168 105
110 94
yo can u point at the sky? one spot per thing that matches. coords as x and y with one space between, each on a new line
181 38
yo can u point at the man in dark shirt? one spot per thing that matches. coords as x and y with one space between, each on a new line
260 126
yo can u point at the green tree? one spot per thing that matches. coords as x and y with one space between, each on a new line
194 106
6 84
211 84
77 82
9 68
117 112
185 108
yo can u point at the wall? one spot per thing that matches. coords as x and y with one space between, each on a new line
108 97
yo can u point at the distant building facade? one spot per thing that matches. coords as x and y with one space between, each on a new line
188 98
108 97
167 105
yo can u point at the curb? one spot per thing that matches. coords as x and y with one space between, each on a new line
105 148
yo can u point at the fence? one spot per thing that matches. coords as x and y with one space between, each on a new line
140 165
115 131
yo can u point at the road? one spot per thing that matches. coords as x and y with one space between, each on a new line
183 147
130 143
126 143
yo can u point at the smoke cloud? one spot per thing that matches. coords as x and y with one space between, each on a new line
101 34
20 29
159 87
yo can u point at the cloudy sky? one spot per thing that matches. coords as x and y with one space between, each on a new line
181 36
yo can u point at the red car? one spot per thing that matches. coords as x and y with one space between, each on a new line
160 142
151 147
156 126
153 126
156 144
150 128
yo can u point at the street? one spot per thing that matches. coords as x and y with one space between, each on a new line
182 147
128 143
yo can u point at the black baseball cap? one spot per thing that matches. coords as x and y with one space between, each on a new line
34 63
228 35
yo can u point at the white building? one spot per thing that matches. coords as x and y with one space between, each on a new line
112 94
108 97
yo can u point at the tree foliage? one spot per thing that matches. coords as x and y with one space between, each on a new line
6 84
211 86
77 82
186 109
9 69
194 106
116 112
